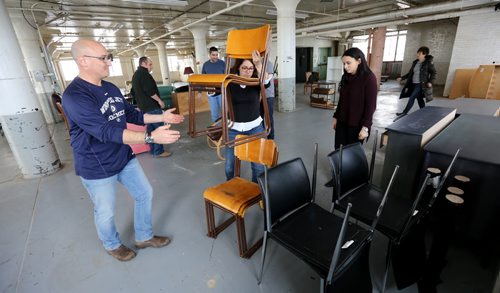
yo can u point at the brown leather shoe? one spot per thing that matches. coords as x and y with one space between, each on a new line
122 253
156 242
164 154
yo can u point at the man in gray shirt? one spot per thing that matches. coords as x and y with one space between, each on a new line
214 66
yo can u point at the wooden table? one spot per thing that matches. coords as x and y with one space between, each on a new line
323 94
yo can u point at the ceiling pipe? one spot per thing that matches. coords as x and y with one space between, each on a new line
394 15
400 22
189 25
274 7
153 16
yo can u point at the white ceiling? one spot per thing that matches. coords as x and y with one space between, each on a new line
121 25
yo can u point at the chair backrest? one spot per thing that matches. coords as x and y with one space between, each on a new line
61 110
354 171
413 211
262 151
285 187
354 274
241 43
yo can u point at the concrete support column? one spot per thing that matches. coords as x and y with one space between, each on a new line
162 55
199 32
141 51
286 53
37 67
21 116
377 55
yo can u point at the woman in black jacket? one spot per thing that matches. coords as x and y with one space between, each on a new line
419 85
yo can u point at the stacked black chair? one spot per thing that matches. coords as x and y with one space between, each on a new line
335 248
400 220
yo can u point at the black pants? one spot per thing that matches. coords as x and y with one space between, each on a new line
345 134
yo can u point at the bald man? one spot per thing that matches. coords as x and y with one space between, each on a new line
97 115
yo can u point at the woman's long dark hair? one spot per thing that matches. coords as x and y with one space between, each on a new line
236 67
363 67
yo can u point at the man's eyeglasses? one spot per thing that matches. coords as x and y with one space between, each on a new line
246 68
108 57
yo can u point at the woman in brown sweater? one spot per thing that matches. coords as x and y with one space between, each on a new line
358 99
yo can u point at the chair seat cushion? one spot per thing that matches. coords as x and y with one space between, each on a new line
311 234
365 201
234 195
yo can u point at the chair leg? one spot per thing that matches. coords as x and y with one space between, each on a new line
209 211
245 252
387 264
264 246
213 231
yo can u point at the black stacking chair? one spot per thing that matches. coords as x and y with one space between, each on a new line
400 220
352 183
336 249
406 228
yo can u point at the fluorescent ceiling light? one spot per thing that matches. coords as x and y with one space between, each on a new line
297 14
161 2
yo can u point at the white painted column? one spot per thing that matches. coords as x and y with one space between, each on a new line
21 116
141 51
162 55
286 53
37 67
199 32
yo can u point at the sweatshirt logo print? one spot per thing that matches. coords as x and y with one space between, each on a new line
108 105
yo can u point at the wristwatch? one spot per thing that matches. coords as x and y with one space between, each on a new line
148 138
365 129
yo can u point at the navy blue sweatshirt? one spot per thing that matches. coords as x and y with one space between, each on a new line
97 117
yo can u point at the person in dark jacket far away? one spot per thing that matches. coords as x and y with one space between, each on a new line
419 80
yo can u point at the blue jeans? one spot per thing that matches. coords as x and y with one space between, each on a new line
270 107
156 149
415 94
257 169
215 103
103 193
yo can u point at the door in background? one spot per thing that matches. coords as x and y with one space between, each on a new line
303 63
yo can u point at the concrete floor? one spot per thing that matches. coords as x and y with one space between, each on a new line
48 241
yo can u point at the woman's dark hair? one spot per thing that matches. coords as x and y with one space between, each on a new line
236 67
424 50
363 67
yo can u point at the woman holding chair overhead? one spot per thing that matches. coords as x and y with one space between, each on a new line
246 108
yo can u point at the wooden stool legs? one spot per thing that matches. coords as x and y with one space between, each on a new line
213 230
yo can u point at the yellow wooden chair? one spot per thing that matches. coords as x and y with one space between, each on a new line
240 44
238 194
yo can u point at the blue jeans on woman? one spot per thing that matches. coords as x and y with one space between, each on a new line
103 193
257 169
417 93
155 148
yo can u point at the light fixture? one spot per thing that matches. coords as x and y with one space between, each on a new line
297 14
161 2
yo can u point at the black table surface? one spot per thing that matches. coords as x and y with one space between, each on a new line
420 121
477 136
469 105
